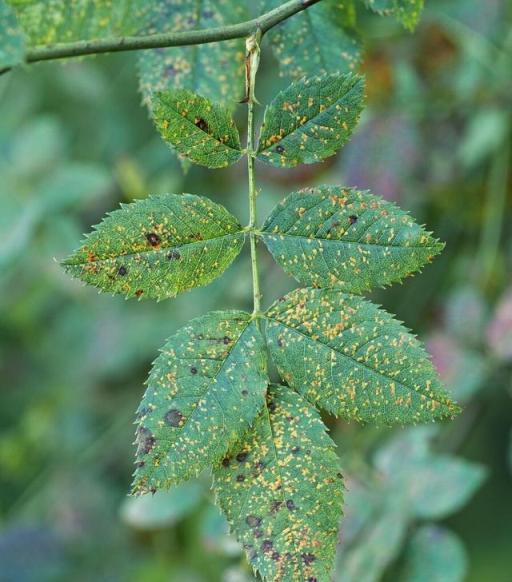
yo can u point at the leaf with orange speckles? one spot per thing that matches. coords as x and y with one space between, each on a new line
55 21
341 237
348 356
282 492
12 39
407 12
318 40
158 247
311 120
214 70
204 392
199 130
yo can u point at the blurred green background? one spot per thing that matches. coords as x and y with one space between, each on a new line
75 141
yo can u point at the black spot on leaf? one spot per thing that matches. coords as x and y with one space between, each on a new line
352 219
267 546
253 521
200 123
153 239
226 461
276 556
174 256
173 417
226 340
241 457
240 478
290 504
308 558
193 370
280 149
122 271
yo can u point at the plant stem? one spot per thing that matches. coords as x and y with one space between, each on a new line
252 63
130 43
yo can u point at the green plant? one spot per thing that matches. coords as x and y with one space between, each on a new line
210 402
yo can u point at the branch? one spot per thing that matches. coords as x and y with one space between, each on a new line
194 37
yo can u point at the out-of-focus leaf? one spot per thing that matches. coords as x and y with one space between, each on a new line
158 247
466 314
383 156
54 21
499 331
346 355
215 533
281 491
484 135
162 509
201 131
433 486
408 12
311 119
376 548
213 70
361 503
331 236
434 554
318 40
12 39
204 391
461 369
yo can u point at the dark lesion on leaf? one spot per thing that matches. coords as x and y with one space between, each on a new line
174 256
280 149
122 271
308 558
153 239
173 417
253 521
145 440
352 219
202 124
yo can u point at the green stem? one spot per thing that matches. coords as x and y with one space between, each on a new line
130 43
252 63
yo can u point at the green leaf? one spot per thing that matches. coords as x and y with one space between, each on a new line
434 554
213 70
376 547
163 509
199 130
317 40
55 21
311 119
348 356
12 39
158 247
281 491
407 12
433 486
204 391
332 236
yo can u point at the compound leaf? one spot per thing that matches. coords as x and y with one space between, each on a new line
158 247
346 355
311 119
407 12
282 493
204 391
434 554
213 70
317 40
199 130
332 236
12 39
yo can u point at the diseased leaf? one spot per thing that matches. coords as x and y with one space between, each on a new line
204 391
55 21
317 40
213 70
331 236
199 130
311 119
12 39
158 247
407 12
434 554
281 491
346 355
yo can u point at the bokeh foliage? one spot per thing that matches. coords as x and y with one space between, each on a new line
74 142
